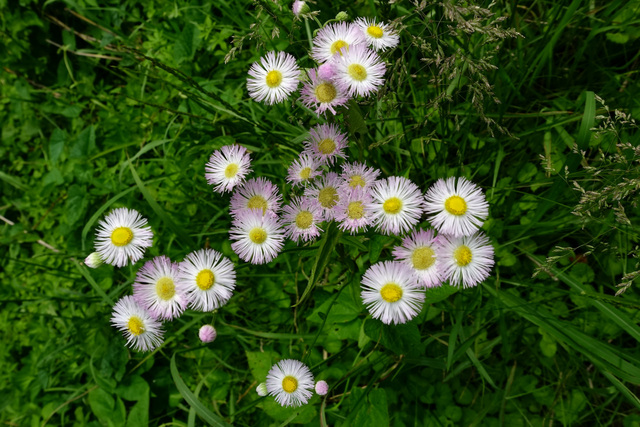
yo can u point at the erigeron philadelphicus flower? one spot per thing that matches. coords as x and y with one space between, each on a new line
379 35
334 39
256 193
157 290
326 143
353 212
143 332
391 292
327 71
360 70
322 94
456 208
465 260
122 237
419 251
303 170
291 382
274 78
299 7
209 279
227 167
358 175
397 205
257 238
207 333
301 218
324 194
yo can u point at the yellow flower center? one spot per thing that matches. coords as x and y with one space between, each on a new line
356 180
337 45
423 258
258 235
121 236
135 325
165 288
274 78
231 170
462 255
455 205
391 292
289 384
325 92
375 31
355 210
305 173
327 146
392 205
205 279
328 197
257 202
357 72
304 220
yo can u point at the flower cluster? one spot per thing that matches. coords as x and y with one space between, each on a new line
291 383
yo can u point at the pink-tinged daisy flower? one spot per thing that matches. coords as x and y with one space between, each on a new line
273 79
291 382
122 237
157 290
324 194
419 251
301 218
209 279
379 35
256 193
465 260
257 238
353 212
360 70
358 175
227 167
299 7
207 333
397 205
391 292
303 170
334 39
326 143
143 332
456 208
321 94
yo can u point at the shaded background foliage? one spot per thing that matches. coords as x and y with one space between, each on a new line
115 104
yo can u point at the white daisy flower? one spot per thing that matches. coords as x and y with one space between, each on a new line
301 218
379 35
353 212
456 208
157 290
419 251
256 193
322 94
291 382
334 39
391 292
358 175
143 332
324 194
303 170
274 78
326 143
227 167
208 278
467 259
257 238
397 205
360 70
122 237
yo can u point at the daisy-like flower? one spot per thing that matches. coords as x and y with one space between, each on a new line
326 143
324 194
465 260
256 193
208 278
122 237
358 175
273 79
360 70
303 170
258 238
397 205
456 208
322 94
379 35
157 289
353 211
143 332
391 292
299 7
335 39
301 218
291 382
227 167
419 251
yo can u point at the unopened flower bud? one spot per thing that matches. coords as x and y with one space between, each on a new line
300 7
262 389
342 16
322 388
207 333
94 260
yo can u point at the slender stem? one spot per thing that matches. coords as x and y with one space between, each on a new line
306 24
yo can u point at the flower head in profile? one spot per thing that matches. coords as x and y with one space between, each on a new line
301 218
142 331
419 251
291 382
336 38
360 70
122 237
326 143
256 238
209 279
397 205
227 167
274 78
303 170
157 290
324 194
256 193
465 260
379 35
353 212
322 94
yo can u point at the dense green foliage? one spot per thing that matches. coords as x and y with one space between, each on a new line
109 104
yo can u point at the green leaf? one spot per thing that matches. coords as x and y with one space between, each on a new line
401 339
76 204
56 144
102 404
186 46
375 247
260 362
84 144
133 388
588 121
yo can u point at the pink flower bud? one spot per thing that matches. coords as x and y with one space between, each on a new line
207 333
322 388
326 71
